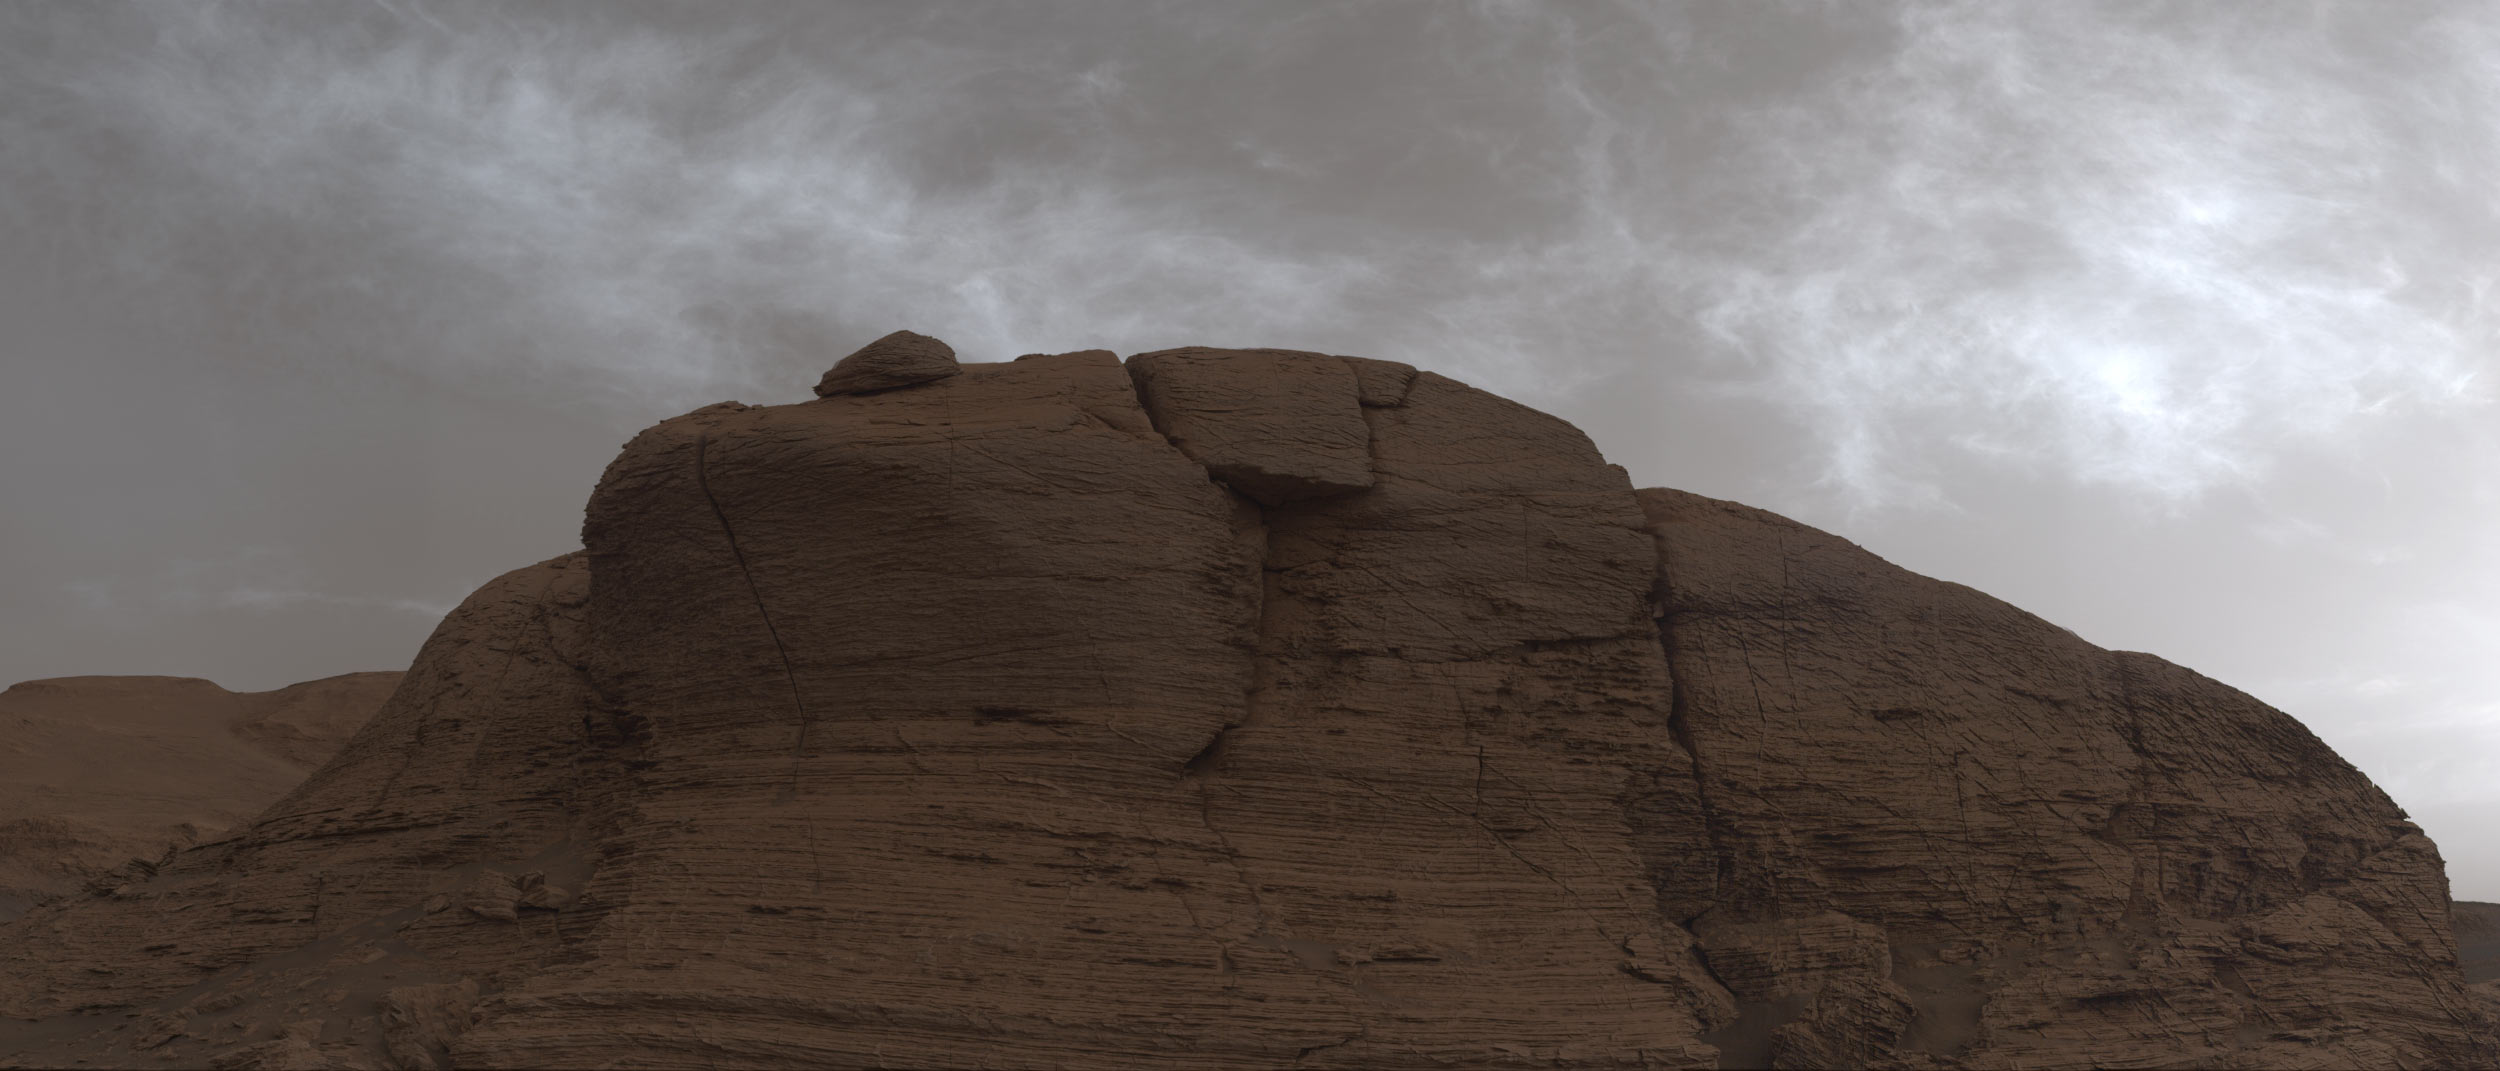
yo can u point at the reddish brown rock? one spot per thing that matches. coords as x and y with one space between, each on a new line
1258 708
901 359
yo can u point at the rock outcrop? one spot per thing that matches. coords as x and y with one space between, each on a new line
1258 708
99 772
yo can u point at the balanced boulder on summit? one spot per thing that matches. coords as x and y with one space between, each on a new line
901 359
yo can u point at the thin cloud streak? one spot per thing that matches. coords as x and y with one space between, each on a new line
2137 254
2144 255
528 202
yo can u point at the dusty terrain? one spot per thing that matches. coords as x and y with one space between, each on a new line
98 771
1256 708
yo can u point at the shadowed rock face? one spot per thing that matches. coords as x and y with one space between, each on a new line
1259 708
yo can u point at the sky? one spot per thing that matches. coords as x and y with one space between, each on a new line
2176 324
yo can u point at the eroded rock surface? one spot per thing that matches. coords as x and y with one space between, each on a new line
1258 708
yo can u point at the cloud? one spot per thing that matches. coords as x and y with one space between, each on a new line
259 579
261 598
635 212
2146 246
637 209
2415 705
2143 246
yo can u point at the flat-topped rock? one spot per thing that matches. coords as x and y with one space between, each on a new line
901 359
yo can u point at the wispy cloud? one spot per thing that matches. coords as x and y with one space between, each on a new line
2141 246
2416 705
2146 246
254 579
258 598
551 201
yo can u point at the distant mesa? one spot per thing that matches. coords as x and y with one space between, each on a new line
901 359
1257 708
98 771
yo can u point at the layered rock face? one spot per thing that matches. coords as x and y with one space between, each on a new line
98 771
1254 707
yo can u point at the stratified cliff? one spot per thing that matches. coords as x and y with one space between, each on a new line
1257 708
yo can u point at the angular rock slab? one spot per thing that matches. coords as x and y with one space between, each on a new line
1276 425
901 359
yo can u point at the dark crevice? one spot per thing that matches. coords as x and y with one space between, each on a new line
1406 385
1680 729
1207 757
703 483
1137 385
1654 978
2137 806
1723 871
1306 1053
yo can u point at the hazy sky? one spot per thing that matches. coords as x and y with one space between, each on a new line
2175 324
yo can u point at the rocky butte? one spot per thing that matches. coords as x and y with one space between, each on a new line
1230 708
